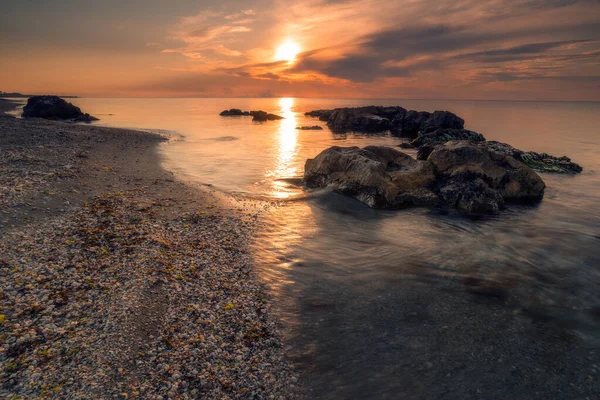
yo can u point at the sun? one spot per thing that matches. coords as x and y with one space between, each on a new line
287 51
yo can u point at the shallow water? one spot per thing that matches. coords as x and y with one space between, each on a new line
376 303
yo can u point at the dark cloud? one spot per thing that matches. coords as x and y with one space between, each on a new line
269 75
416 49
521 52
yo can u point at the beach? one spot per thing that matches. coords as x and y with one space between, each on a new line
120 281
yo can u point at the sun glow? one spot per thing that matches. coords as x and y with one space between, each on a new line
287 51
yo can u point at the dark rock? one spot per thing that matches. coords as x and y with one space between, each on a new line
473 196
460 174
234 112
442 120
405 145
464 161
427 142
357 120
430 130
377 176
53 107
539 161
323 115
262 116
409 124
310 128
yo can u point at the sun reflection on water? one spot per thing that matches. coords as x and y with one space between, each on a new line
287 151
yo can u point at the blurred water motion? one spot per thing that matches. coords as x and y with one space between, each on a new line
413 303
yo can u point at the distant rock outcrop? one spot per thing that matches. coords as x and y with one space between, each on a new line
459 174
259 116
234 112
55 108
429 130
310 128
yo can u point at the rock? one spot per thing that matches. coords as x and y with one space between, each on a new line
380 177
405 145
234 112
427 142
53 107
539 161
429 130
474 197
357 120
409 124
310 128
323 115
442 120
262 116
459 174
464 162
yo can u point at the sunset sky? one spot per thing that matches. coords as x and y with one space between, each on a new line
463 49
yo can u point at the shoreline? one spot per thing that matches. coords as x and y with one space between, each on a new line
119 280
7 105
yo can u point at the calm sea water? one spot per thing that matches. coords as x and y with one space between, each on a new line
374 302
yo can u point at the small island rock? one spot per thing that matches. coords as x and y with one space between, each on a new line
55 108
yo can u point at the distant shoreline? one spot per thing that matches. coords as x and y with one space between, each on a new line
26 96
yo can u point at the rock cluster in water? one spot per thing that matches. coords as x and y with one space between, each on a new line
259 116
310 128
55 108
429 130
472 177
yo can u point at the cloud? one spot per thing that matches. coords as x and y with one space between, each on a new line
268 75
210 32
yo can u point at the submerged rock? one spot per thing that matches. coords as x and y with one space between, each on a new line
310 128
55 108
323 115
256 115
264 116
234 112
459 174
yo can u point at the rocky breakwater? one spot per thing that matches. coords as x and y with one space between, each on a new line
398 120
259 116
54 108
429 130
464 175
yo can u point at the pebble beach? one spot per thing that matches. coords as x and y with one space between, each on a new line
120 281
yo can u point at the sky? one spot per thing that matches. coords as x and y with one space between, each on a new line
460 49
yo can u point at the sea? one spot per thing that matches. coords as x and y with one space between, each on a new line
378 304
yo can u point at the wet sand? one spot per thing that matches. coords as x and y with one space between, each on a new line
119 281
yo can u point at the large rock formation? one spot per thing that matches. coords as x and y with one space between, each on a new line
53 107
464 175
429 130
379 119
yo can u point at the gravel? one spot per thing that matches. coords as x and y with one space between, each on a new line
125 283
